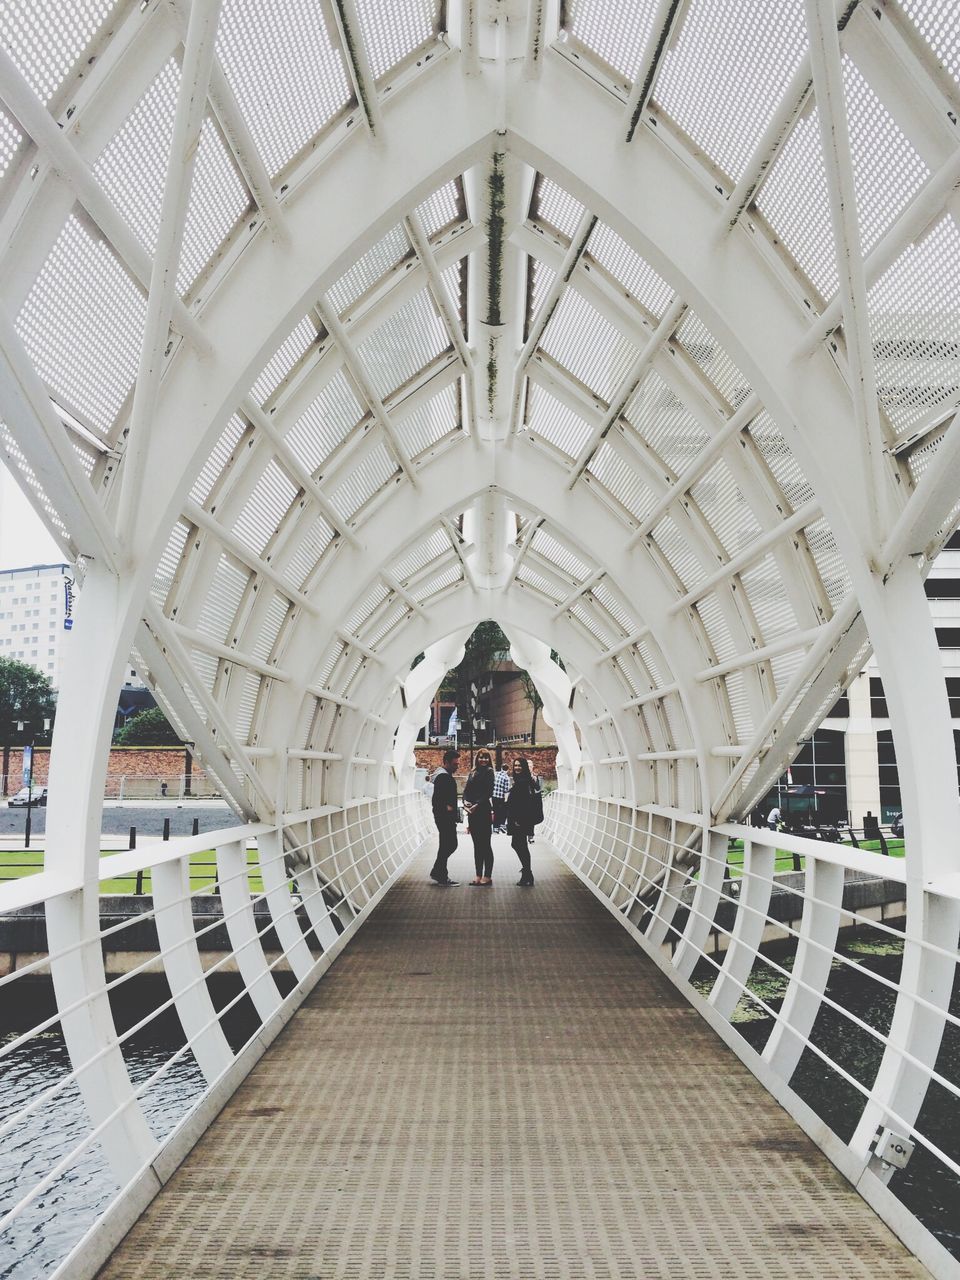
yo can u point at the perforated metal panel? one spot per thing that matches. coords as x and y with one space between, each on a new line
400 347
915 324
723 77
82 324
615 256
391 35
887 172
44 50
586 344
287 74
618 36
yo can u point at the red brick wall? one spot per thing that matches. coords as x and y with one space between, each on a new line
543 760
129 762
168 762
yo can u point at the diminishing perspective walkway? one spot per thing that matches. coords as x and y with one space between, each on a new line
497 1083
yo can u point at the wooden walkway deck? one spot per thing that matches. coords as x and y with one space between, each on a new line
496 1083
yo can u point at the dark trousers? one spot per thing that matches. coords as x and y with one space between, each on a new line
499 811
482 851
447 830
522 850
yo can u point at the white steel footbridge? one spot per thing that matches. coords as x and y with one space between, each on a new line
329 330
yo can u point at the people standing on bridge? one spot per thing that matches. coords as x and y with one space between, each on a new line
501 789
524 810
445 814
478 802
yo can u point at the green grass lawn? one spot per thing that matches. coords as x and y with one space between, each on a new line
784 860
15 863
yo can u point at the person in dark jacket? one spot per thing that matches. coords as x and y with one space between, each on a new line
478 802
522 809
445 814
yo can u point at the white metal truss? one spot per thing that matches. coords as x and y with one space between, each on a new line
436 362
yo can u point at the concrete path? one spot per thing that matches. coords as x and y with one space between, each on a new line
496 1083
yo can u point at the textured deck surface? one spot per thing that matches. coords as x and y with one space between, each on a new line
496 1083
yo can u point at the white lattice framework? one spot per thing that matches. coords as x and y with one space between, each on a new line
330 330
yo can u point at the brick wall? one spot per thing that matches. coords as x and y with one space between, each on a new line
543 760
125 762
168 762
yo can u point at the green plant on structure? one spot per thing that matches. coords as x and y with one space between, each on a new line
880 947
497 185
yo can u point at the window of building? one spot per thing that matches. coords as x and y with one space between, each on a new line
816 788
841 708
878 702
948 637
942 588
890 802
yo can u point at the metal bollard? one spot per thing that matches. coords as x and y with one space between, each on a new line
139 888
196 826
166 828
133 838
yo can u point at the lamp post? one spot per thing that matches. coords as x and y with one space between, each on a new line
21 725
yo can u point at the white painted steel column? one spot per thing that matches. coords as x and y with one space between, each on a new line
898 618
752 906
668 901
811 967
703 909
177 937
187 127
282 909
94 653
241 926
311 883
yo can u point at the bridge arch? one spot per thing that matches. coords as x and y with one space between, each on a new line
508 333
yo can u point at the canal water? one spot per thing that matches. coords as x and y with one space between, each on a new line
52 1224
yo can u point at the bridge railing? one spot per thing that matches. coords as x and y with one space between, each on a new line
850 1019
111 1078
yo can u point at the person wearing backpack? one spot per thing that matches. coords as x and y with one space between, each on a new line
524 811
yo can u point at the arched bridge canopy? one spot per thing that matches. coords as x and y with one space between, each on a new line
330 330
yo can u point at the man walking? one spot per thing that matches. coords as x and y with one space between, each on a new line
445 814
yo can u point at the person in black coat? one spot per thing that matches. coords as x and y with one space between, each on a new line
523 808
445 814
478 802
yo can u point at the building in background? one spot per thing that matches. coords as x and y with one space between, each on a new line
848 768
36 614
33 616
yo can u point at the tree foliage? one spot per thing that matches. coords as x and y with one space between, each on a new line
25 695
149 728
533 697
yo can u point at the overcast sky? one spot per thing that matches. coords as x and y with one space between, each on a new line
23 539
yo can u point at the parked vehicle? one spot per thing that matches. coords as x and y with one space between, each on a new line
20 800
